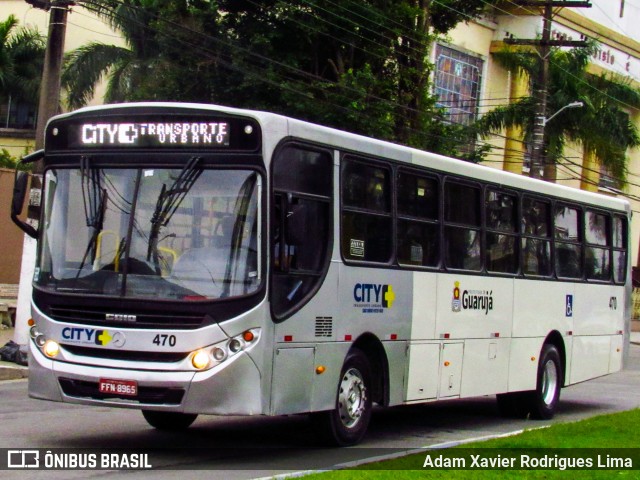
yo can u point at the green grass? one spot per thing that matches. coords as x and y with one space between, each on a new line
597 434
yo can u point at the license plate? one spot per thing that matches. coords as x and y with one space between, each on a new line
118 387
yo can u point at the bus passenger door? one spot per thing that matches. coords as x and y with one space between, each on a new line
451 369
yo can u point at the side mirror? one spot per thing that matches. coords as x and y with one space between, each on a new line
20 186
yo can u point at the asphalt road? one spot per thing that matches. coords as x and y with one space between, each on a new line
242 448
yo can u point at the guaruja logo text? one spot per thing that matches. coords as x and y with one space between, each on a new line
471 299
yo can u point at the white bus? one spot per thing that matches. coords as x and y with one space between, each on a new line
197 259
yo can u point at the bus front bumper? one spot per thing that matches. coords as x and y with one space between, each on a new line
230 389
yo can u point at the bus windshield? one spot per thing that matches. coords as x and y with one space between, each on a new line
165 233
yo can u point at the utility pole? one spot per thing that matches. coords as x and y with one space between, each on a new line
49 103
540 93
48 106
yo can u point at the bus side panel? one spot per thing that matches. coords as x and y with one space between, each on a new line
598 309
473 307
590 357
616 355
423 371
541 307
523 363
374 301
425 296
485 369
292 380
325 386
396 353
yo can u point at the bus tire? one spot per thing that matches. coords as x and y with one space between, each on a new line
544 399
347 424
170 421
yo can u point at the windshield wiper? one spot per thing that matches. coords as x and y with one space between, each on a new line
94 200
168 202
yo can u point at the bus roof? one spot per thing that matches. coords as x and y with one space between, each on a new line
379 148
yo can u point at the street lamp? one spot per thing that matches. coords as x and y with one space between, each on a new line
571 105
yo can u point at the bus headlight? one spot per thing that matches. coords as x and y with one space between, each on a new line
51 348
40 339
217 354
200 359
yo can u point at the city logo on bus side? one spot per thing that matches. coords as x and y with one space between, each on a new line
471 299
373 297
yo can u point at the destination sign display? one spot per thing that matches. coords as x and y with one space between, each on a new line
214 134
153 131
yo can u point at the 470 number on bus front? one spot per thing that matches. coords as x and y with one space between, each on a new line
163 340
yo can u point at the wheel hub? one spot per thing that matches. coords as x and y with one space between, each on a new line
352 398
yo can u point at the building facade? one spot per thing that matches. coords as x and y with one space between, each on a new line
468 81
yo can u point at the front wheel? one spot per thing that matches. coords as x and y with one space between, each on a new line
348 422
545 397
169 420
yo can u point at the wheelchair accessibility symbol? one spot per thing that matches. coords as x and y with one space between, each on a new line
569 306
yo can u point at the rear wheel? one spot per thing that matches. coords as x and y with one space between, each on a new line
540 403
169 420
544 399
347 423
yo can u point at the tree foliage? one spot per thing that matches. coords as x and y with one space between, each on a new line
357 65
21 60
602 126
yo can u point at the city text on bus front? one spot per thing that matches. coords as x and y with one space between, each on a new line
156 133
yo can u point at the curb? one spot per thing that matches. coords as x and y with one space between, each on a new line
9 371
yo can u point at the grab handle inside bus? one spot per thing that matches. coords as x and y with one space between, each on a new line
295 222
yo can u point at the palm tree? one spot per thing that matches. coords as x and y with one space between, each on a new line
21 58
127 67
601 127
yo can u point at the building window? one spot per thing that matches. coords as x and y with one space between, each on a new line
17 114
607 180
457 85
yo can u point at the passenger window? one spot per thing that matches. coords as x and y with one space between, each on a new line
418 230
301 226
366 212
597 252
536 240
619 232
568 242
417 196
463 247
502 246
